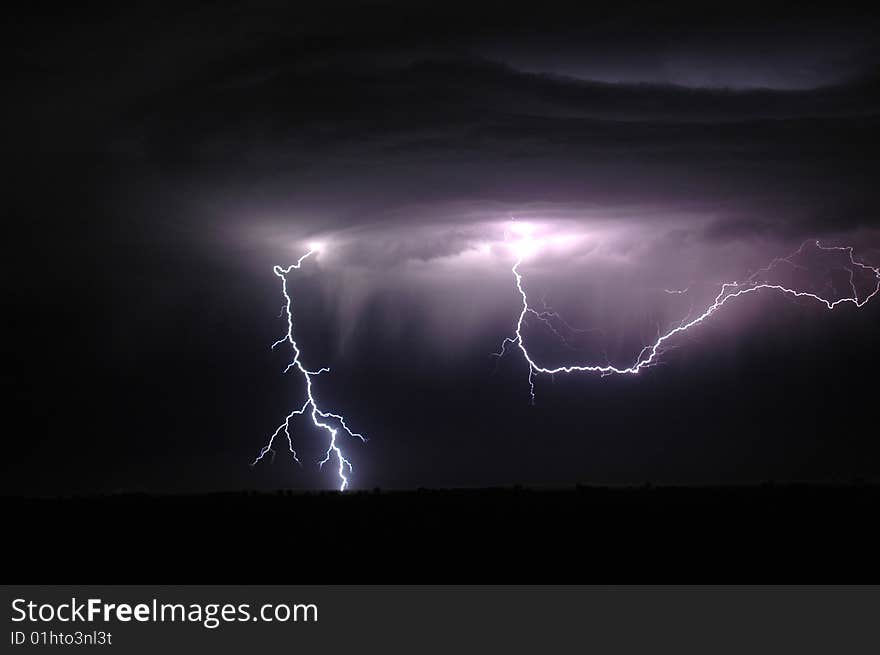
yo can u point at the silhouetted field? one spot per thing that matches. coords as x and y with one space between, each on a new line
768 533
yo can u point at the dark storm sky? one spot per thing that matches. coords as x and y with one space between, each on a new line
161 161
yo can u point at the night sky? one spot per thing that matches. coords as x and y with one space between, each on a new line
160 162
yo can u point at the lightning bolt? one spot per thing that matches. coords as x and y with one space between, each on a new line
323 420
730 291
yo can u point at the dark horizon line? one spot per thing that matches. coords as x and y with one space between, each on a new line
648 485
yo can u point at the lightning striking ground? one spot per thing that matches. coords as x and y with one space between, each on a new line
650 354
321 419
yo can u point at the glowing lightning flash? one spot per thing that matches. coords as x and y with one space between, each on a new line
321 419
650 354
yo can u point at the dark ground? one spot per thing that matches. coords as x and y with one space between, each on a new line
760 534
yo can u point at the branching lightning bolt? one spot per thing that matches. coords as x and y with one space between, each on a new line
650 354
321 419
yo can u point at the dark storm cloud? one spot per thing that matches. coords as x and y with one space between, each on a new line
792 56
464 130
